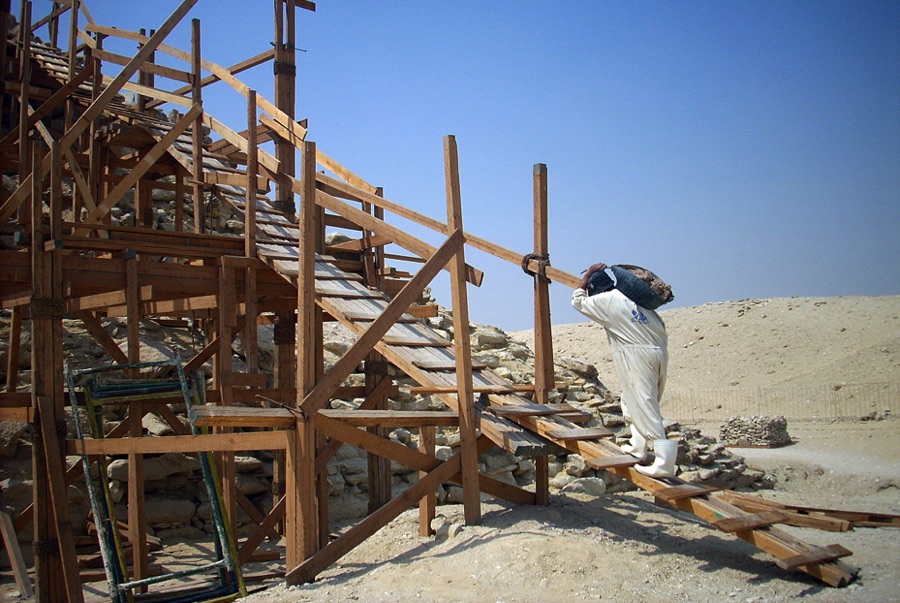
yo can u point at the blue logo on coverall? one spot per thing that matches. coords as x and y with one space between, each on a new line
638 317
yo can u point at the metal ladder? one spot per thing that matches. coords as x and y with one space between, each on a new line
101 388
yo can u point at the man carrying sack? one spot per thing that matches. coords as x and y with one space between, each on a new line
637 337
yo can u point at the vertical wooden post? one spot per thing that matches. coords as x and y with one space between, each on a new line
376 369
137 517
197 129
227 321
53 25
285 327
544 375
428 503
379 467
24 76
179 198
5 7
462 343
250 341
73 66
95 148
301 524
141 100
12 354
53 544
133 309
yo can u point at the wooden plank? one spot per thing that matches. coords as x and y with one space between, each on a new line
674 493
147 67
439 365
224 178
427 343
814 556
257 440
749 522
243 416
579 433
333 166
370 316
608 462
392 418
536 410
102 300
50 104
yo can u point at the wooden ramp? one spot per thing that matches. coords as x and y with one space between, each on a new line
430 360
505 416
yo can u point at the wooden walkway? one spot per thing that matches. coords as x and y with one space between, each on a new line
507 417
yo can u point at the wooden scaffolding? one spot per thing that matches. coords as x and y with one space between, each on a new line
63 120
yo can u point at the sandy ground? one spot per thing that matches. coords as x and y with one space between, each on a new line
620 546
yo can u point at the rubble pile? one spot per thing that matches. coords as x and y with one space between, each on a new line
756 432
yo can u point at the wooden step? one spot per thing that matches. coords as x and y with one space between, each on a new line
749 522
608 462
531 410
814 556
579 433
674 493
440 365
242 416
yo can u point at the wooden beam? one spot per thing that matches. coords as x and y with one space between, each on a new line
147 67
317 398
214 442
468 420
398 235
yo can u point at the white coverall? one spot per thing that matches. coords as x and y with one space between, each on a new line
637 337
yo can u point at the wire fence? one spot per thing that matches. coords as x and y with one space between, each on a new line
859 401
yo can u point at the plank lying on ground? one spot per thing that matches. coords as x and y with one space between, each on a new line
815 556
749 522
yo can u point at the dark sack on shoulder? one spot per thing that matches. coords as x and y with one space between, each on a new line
642 286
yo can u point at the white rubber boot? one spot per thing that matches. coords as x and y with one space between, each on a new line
664 464
637 445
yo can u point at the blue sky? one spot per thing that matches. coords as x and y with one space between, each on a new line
738 149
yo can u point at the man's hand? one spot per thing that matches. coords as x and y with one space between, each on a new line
589 272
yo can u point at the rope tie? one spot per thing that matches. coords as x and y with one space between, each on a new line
542 259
